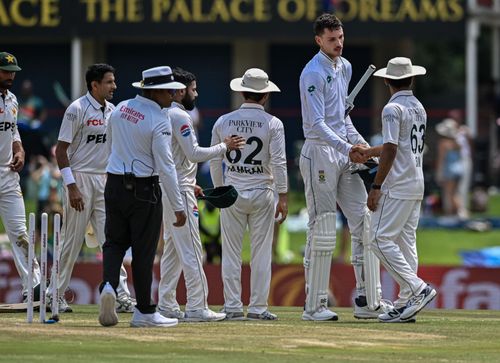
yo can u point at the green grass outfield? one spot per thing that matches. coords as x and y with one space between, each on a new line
438 336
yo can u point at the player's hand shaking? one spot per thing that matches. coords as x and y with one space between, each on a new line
359 153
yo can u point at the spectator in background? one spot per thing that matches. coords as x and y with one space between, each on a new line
449 167
32 114
46 176
31 108
465 142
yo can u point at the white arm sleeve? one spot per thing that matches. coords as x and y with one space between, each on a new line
216 163
278 155
165 164
312 88
186 137
353 135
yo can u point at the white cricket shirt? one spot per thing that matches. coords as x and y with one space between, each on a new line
323 91
8 127
185 149
263 159
84 127
140 135
403 123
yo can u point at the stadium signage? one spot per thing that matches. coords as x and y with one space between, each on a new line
458 287
405 10
228 18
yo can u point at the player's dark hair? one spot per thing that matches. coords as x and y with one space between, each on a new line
326 21
183 76
400 83
96 72
257 97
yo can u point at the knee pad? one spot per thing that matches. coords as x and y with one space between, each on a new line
318 263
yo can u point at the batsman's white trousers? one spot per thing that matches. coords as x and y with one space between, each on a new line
74 225
182 252
255 209
13 217
328 181
394 241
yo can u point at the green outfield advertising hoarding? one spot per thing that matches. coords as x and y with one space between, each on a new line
200 19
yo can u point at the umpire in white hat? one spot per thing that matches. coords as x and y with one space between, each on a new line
140 156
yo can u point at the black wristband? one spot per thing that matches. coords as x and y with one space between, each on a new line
376 186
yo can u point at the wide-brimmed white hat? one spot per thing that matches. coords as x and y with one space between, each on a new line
447 128
399 68
158 78
254 80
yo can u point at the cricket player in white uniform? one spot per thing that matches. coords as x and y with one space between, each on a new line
325 164
398 189
255 172
82 154
12 209
183 250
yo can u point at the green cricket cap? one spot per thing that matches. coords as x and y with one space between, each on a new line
220 197
8 62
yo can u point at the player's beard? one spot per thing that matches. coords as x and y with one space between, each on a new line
188 103
6 84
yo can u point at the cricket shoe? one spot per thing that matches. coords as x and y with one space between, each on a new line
125 304
107 312
233 315
203 315
394 316
362 311
153 320
322 314
172 314
417 303
63 305
266 315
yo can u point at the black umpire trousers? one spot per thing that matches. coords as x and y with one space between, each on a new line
133 219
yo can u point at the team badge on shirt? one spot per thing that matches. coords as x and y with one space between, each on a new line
185 130
196 213
321 176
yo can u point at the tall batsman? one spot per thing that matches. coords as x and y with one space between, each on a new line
326 159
